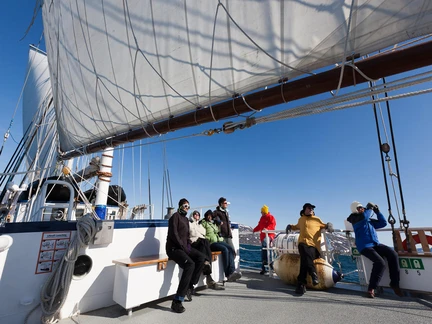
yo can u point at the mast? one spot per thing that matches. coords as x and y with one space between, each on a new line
375 67
103 183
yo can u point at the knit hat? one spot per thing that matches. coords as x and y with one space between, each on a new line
264 209
354 205
208 212
182 202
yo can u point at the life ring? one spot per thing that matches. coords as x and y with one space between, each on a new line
416 239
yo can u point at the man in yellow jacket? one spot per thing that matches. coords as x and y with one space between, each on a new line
309 242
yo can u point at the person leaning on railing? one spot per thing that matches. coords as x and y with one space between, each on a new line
266 222
309 242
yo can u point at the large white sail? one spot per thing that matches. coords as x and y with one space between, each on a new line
38 112
120 65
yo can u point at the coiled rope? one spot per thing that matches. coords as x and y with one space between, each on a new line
56 288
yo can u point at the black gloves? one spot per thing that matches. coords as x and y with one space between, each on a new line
372 206
288 228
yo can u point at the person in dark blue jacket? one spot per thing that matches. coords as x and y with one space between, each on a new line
367 243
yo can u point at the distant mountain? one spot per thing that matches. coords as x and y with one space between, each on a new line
338 241
247 237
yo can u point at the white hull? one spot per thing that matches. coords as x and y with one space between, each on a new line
20 287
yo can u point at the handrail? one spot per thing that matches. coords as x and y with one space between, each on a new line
58 182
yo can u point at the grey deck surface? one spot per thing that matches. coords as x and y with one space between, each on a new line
259 299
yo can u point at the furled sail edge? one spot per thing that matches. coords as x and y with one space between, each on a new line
376 67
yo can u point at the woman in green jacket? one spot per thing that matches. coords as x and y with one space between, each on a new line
217 244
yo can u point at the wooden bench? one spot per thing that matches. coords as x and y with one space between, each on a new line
143 279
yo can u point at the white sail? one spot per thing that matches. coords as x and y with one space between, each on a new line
38 114
119 65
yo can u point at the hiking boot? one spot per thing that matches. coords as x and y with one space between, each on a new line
370 293
177 306
300 289
234 276
315 280
195 293
188 296
213 285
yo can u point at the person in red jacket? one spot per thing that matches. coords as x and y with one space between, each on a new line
266 222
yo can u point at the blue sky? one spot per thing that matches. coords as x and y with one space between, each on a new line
329 159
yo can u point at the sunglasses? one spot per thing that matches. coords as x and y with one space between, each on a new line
186 206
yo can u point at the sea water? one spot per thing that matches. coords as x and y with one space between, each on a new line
250 258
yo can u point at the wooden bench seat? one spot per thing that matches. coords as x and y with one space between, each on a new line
143 279
159 259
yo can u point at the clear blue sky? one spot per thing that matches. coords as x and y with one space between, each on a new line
329 159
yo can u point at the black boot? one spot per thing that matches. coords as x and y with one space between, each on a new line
177 306
300 289
188 296
315 280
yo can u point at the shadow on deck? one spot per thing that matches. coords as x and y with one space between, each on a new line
259 299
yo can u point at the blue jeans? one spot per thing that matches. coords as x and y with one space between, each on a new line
227 256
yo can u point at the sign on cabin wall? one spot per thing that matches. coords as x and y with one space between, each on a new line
411 263
52 248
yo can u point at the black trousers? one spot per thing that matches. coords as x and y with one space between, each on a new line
203 245
192 265
307 255
377 254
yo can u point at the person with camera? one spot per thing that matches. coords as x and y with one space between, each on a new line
367 243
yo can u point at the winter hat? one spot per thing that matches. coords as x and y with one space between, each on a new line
183 201
264 209
191 216
208 212
354 206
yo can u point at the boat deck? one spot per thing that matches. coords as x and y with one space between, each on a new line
260 299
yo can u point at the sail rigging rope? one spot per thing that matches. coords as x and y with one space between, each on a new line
6 135
330 104
345 48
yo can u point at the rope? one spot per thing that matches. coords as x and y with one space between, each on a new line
55 290
345 49
330 104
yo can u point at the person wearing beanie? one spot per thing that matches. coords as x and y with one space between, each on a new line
309 244
266 222
217 244
179 249
197 236
222 219
368 245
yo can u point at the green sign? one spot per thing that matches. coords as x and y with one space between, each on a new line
411 263
354 251
404 263
417 264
